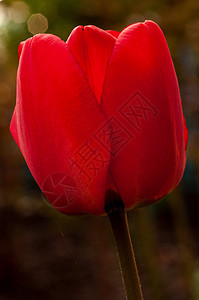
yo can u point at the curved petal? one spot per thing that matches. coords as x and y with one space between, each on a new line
92 48
55 122
113 33
141 98
20 48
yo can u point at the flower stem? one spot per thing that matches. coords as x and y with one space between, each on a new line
120 228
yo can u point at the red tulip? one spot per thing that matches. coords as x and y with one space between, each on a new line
101 111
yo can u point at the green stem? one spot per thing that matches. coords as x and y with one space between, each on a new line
120 228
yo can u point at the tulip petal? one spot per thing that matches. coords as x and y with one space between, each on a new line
113 33
55 122
141 98
92 47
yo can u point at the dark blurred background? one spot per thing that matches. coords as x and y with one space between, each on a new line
46 255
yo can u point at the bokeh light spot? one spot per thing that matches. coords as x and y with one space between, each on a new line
19 12
3 15
37 23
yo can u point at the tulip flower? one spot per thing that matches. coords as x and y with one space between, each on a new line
101 111
98 115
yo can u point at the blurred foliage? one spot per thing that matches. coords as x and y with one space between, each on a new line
44 254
